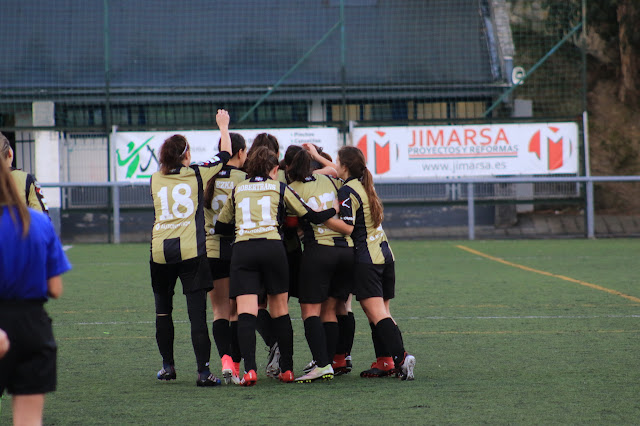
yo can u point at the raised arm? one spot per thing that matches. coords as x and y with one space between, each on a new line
222 119
328 168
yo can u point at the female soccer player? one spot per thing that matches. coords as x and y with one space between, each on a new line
258 261
178 247
28 188
31 265
361 214
264 324
225 317
326 266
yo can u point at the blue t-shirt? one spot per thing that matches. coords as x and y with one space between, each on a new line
27 263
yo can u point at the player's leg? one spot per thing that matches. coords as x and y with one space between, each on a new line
27 409
163 281
275 275
195 277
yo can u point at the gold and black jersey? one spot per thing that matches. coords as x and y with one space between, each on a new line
225 181
258 206
289 235
178 230
371 243
30 190
319 191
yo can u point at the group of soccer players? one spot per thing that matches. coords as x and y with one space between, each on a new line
231 227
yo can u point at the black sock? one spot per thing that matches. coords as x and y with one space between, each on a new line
265 327
314 332
331 336
164 338
283 332
351 331
341 347
378 342
236 356
247 340
222 336
197 309
392 338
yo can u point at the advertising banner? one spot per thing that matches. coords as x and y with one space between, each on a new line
469 150
137 153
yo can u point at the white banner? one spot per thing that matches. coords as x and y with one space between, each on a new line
137 153
473 150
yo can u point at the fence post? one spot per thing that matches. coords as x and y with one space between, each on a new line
115 198
589 210
471 213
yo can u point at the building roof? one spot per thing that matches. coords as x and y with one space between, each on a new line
161 45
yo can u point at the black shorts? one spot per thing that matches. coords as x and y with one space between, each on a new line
259 266
325 272
219 268
372 280
29 368
194 275
294 258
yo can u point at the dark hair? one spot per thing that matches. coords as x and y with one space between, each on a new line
172 152
265 140
355 162
298 163
10 197
237 144
260 162
268 140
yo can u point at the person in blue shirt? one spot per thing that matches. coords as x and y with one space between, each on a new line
31 264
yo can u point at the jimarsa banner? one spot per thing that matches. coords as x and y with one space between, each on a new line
137 153
473 150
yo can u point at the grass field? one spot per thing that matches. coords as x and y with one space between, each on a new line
518 332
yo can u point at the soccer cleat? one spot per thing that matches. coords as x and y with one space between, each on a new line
286 377
227 369
168 372
206 379
382 367
307 368
324 373
273 361
349 365
339 364
405 372
249 379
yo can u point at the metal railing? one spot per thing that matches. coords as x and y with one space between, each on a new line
588 181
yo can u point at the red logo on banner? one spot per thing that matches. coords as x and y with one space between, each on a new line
555 150
382 149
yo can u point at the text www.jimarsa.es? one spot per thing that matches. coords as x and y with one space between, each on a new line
464 166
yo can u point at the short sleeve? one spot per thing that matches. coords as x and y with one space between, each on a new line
294 203
57 262
347 206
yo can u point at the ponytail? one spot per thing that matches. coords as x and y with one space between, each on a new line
375 205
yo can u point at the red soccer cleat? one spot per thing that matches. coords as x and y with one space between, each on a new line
249 379
286 377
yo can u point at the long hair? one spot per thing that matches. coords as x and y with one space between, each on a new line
266 140
298 163
173 151
261 161
353 159
9 197
237 144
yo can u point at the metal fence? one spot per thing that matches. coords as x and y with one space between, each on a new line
118 195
